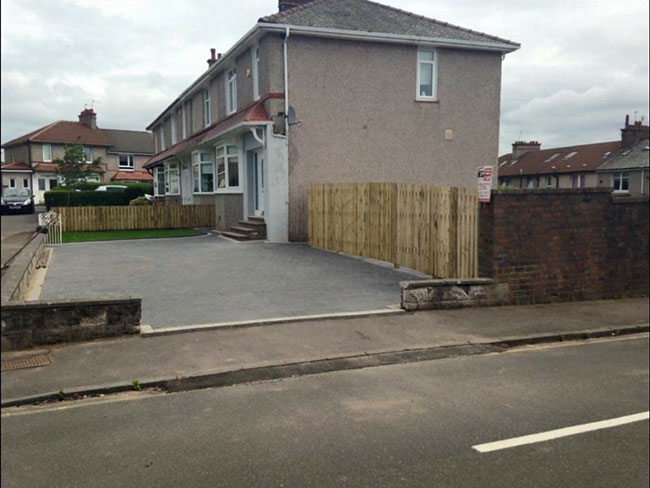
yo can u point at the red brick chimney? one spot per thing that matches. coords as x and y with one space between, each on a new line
287 4
88 117
519 148
633 133
213 58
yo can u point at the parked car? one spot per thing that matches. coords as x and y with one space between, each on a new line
110 188
17 200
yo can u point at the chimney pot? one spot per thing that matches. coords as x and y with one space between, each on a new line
88 117
212 59
219 55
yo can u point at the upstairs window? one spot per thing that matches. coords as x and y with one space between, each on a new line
621 182
163 145
206 108
183 122
427 77
227 167
174 128
126 161
88 154
47 152
231 91
256 76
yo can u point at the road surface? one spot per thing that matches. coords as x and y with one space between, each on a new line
410 425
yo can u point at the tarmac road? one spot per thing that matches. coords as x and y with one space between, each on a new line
411 425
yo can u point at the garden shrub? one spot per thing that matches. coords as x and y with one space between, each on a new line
140 201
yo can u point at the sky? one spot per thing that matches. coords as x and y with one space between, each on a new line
582 66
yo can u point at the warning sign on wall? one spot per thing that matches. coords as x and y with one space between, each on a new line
484 183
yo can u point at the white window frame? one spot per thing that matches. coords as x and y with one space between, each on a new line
225 157
44 181
231 91
549 182
255 55
130 157
90 152
183 122
174 128
434 76
207 116
622 175
172 170
197 164
156 188
92 177
47 158
163 146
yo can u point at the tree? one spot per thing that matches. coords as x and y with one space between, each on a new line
73 167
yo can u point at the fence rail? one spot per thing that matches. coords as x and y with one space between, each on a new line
431 229
136 217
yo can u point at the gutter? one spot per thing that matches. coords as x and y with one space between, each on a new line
286 83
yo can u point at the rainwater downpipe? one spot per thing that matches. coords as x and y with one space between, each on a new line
286 86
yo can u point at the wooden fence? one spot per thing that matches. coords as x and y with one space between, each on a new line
431 229
136 217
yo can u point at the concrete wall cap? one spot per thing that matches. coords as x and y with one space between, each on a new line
37 304
410 284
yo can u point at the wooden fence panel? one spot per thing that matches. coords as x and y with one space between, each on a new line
136 217
430 229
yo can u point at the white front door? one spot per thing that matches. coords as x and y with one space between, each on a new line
258 182
186 184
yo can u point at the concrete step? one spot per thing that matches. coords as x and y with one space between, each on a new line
245 229
252 223
240 237
260 220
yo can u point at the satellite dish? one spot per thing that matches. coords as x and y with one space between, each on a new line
292 118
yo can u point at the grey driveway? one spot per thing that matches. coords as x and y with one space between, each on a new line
203 280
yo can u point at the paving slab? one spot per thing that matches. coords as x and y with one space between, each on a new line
109 361
207 280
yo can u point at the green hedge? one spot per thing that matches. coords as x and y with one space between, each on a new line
87 197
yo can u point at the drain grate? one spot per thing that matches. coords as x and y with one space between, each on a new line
28 362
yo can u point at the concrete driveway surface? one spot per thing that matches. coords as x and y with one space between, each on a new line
16 231
205 280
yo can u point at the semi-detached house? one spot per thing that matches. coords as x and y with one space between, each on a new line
329 91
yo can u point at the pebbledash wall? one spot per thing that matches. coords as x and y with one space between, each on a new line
564 244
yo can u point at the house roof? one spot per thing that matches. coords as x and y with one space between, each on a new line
571 159
66 132
130 141
132 176
253 113
631 157
368 16
15 167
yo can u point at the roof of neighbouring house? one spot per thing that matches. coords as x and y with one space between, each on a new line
571 159
130 141
132 176
252 113
15 167
631 157
65 132
367 16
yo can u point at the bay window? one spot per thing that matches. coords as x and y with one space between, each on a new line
203 172
227 167
172 180
427 75
159 181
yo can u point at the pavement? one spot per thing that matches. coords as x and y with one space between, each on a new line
15 231
100 365
208 279
407 425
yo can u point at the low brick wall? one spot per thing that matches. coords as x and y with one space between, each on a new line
441 294
16 278
28 324
557 245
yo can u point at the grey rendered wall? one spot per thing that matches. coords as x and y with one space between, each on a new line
244 79
360 120
271 65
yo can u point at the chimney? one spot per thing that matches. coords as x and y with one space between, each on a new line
519 148
88 117
213 58
287 4
634 133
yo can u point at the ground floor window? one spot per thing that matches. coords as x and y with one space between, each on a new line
126 161
532 183
577 181
94 177
227 167
12 183
54 182
159 181
41 184
203 172
25 182
549 182
172 186
621 182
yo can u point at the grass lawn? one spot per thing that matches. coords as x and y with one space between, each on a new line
113 235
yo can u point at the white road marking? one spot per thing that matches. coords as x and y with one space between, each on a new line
557 433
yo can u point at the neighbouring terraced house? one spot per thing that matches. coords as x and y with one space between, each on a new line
622 165
29 158
329 91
